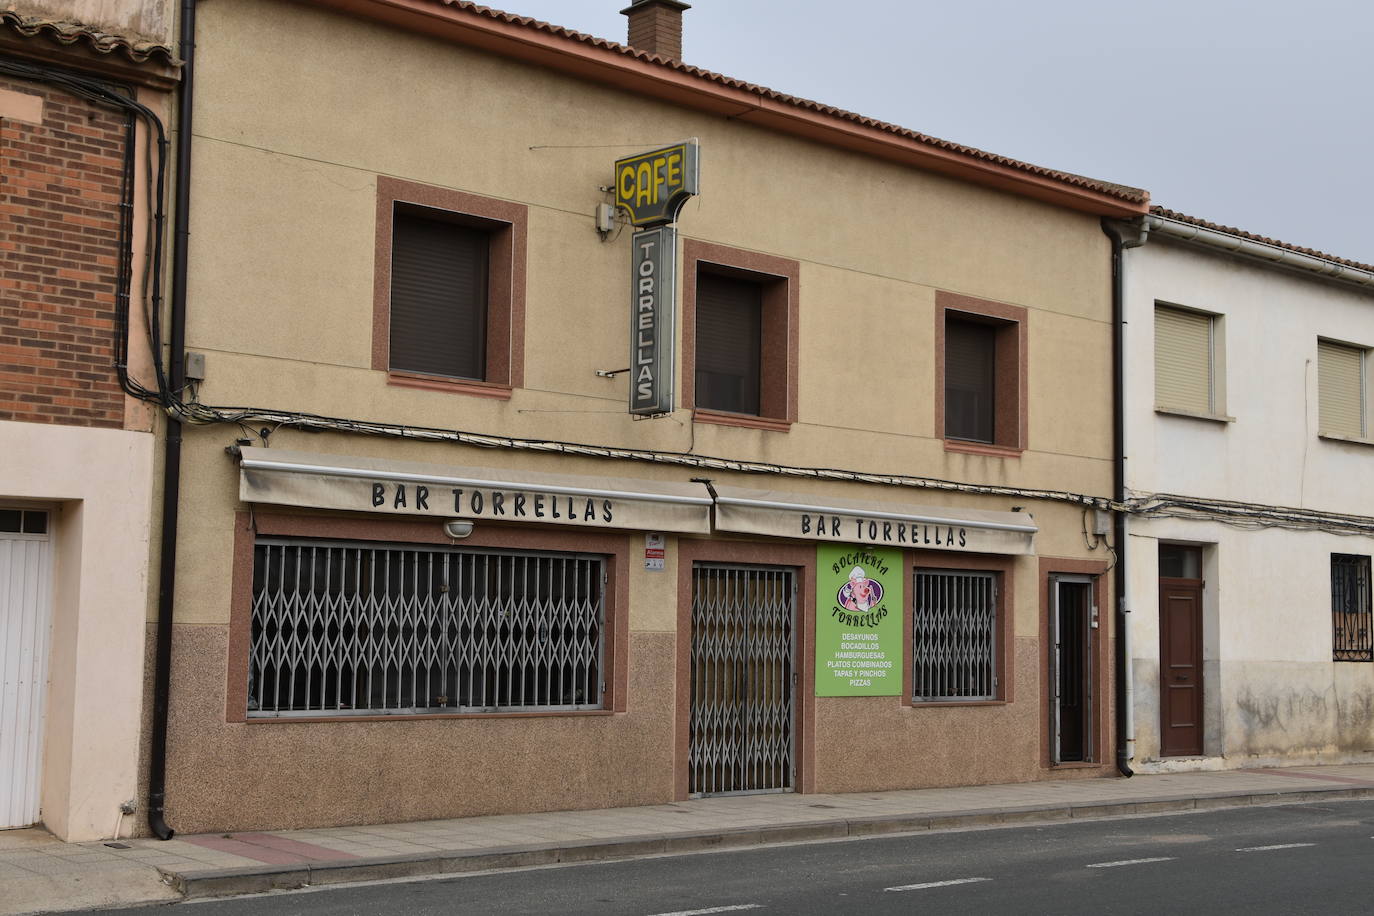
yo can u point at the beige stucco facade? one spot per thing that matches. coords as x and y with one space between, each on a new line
281 302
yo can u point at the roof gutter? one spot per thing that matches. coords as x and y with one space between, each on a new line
610 64
1273 254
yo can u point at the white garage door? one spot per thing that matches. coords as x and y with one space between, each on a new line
25 630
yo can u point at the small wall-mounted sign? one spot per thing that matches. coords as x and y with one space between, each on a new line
653 186
654 551
652 317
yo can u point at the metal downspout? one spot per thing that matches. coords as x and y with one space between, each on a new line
171 486
1125 701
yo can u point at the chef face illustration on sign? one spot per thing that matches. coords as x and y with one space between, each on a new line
860 593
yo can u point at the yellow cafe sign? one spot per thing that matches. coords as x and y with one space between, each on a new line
653 186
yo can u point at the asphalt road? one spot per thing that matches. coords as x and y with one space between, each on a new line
1313 858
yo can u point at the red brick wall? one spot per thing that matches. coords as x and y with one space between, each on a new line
59 211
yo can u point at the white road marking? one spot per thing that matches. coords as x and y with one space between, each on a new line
1279 846
715 909
921 887
1131 862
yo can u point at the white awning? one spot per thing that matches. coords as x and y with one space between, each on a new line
289 478
790 515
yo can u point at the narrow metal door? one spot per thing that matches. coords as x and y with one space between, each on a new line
25 629
742 723
1073 623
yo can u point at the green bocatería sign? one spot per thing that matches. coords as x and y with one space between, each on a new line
858 621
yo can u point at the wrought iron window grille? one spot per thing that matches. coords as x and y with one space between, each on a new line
346 628
1352 618
954 636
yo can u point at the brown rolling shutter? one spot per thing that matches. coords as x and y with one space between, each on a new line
970 374
438 297
729 322
1340 389
1183 360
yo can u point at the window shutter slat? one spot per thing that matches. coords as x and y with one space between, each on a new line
729 319
1183 360
438 298
1340 389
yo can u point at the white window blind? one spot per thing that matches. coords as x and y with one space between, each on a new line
1340 389
1183 360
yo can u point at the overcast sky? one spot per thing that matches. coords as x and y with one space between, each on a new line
1250 113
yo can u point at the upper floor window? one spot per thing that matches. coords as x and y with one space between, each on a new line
970 380
449 289
980 374
728 335
740 338
1343 390
438 297
1186 361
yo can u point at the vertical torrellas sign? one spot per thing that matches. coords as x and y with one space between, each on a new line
859 617
652 320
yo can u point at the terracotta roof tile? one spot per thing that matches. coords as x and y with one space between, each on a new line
1122 192
136 50
1241 233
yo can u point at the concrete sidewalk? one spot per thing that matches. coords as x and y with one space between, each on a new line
41 874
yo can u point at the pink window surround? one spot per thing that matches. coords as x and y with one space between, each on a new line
778 279
1011 371
506 225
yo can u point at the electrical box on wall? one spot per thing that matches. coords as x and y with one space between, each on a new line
605 218
1102 522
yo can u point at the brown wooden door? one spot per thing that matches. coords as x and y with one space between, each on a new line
1180 667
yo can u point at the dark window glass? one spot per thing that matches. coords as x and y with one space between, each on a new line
1179 562
438 297
1352 617
729 315
11 520
35 523
970 371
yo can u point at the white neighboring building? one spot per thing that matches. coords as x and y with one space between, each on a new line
1250 456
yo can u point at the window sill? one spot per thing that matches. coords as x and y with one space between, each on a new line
748 421
1351 440
1077 765
1194 414
454 385
945 704
989 449
422 717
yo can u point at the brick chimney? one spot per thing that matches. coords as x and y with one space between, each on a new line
656 26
